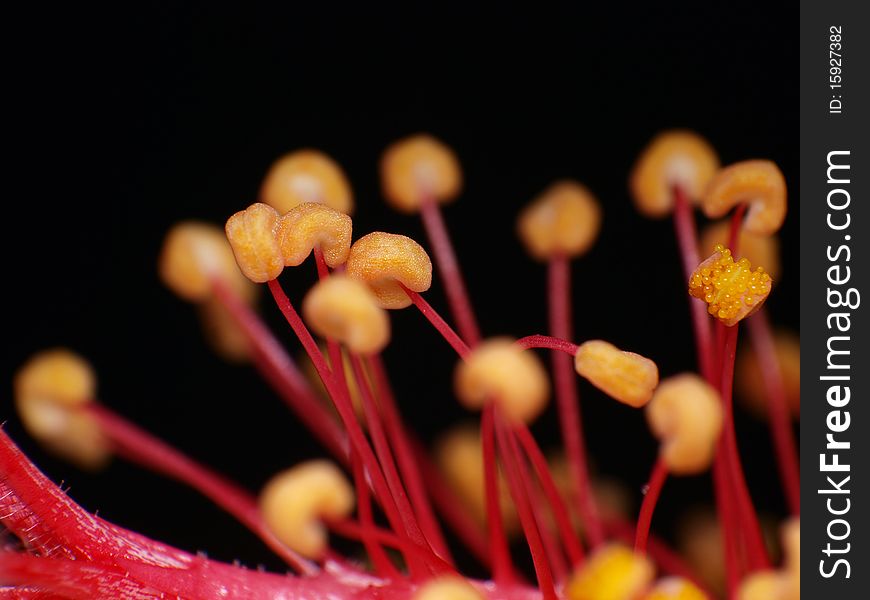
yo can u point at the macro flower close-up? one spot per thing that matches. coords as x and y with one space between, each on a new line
323 306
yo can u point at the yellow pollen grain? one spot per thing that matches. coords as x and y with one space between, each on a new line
612 572
732 290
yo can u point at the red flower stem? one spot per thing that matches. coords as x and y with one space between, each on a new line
152 453
546 526
410 471
439 323
282 374
385 456
568 398
509 452
734 229
547 342
560 513
756 550
654 490
382 563
684 226
502 565
663 555
778 413
728 526
356 531
322 268
345 410
463 525
448 267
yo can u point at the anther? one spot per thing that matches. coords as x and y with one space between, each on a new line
563 221
673 158
343 309
757 183
386 262
193 256
625 376
612 572
306 176
418 168
295 503
253 236
310 225
51 390
685 413
732 290
448 587
498 370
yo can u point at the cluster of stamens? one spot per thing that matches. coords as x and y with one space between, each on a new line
732 290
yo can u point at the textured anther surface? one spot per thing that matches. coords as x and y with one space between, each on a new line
672 158
253 236
294 502
624 376
685 413
759 184
761 250
306 176
384 260
310 225
344 309
419 167
732 290
563 221
499 371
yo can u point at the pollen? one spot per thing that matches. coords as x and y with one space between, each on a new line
308 226
563 221
306 176
685 413
253 236
761 250
49 391
612 572
759 184
625 376
194 255
295 503
675 588
417 168
386 262
677 157
499 371
449 587
732 290
345 310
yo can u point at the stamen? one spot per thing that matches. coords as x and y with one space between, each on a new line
757 183
439 323
652 492
306 176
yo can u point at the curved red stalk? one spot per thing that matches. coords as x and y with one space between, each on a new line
544 522
382 563
439 323
502 565
734 229
385 457
345 410
653 491
684 226
146 450
509 452
778 413
560 512
281 373
729 527
568 398
749 518
448 267
405 457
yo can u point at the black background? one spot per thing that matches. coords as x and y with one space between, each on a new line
123 123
